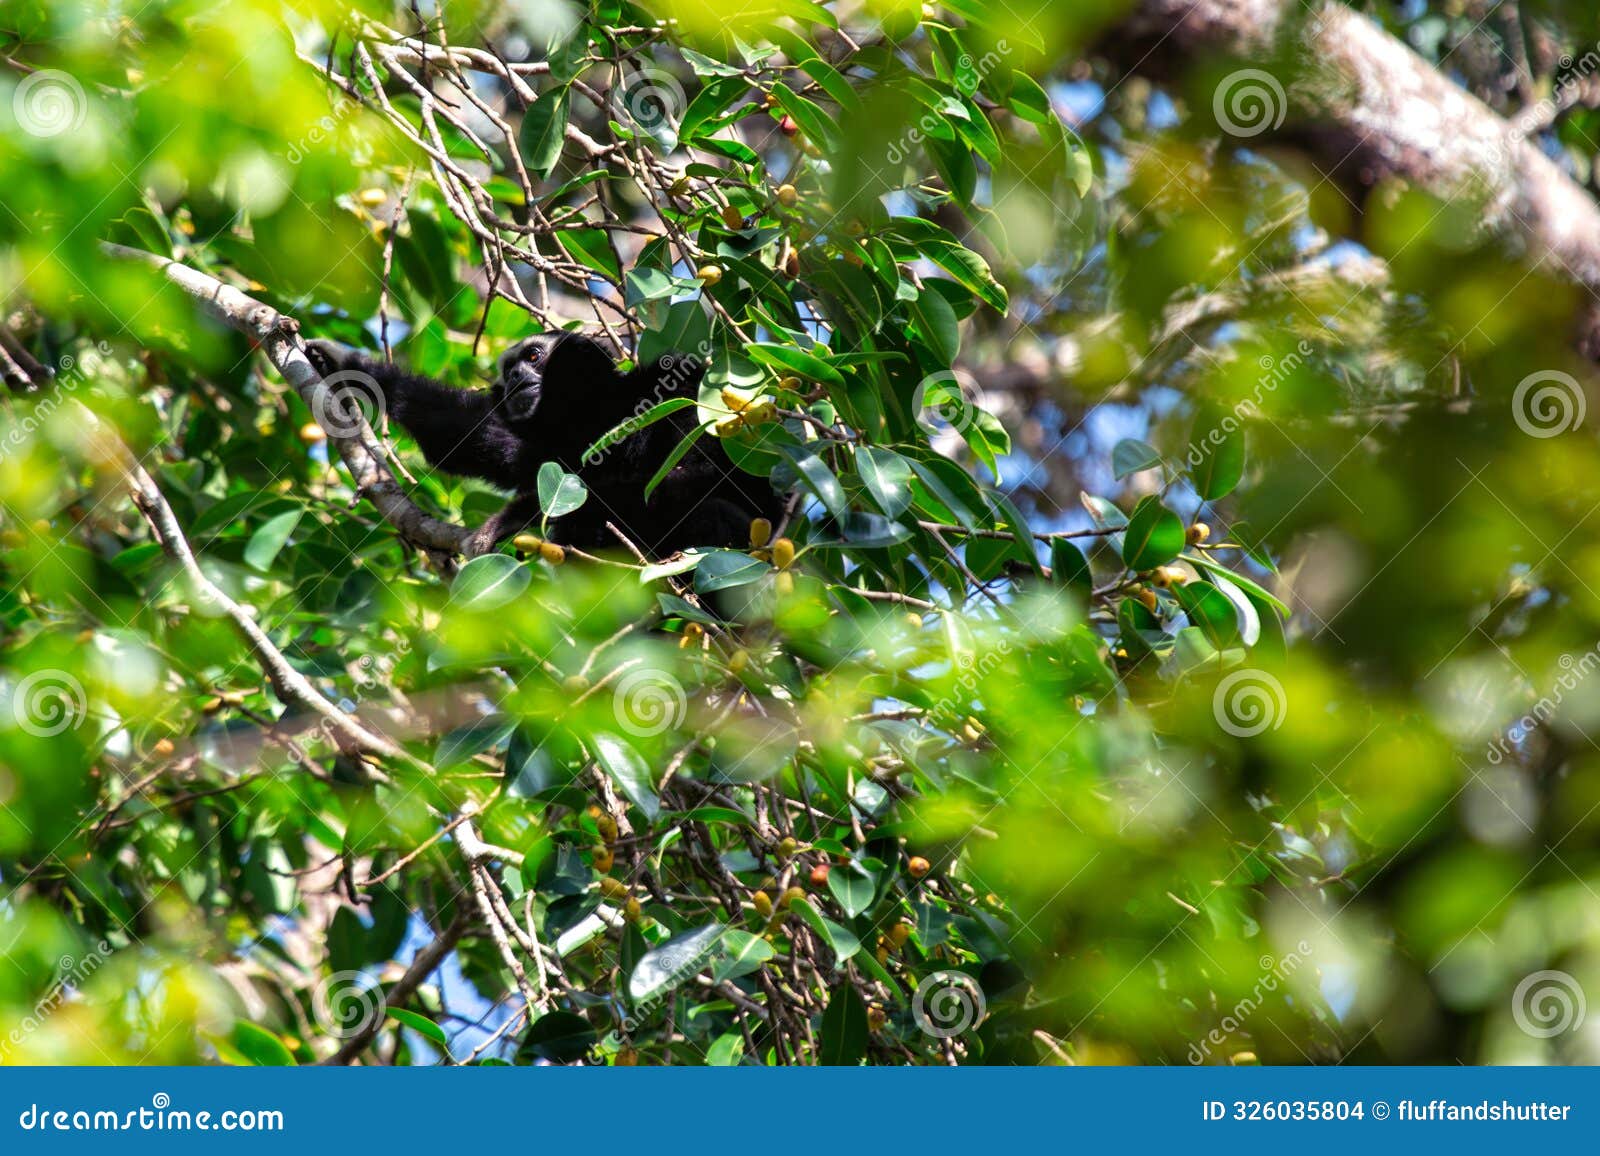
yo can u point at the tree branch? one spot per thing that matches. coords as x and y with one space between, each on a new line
278 337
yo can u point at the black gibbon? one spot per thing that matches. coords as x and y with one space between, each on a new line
555 396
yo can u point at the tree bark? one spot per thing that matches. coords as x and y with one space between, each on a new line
1372 110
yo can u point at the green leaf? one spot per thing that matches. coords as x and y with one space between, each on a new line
675 962
841 940
1250 587
1028 100
709 102
420 1024
1154 537
743 954
560 493
1219 442
819 479
673 459
627 766
1130 456
853 887
636 423
1211 611
845 1031
723 569
260 1047
488 582
788 359
887 477
1249 617
270 538
816 124
543 132
1069 567
725 1051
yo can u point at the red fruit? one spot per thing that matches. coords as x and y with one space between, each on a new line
819 875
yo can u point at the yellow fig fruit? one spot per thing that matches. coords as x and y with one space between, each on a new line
760 532
738 660
575 683
729 426
783 553
876 1018
760 413
311 433
918 867
614 888
552 553
604 859
1148 599
528 543
788 196
372 197
626 1058
762 902
607 827
785 583
1197 533
632 911
792 894
791 383
733 401
732 217
709 274
898 934
787 847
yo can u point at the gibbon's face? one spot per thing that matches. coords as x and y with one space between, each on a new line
562 365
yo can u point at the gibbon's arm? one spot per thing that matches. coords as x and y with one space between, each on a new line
456 428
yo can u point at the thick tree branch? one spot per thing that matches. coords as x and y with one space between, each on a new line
292 687
1372 109
278 337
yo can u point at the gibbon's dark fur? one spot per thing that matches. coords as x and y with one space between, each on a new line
556 395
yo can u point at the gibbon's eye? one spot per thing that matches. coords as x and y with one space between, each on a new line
536 354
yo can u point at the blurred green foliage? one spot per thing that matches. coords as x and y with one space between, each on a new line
1185 654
